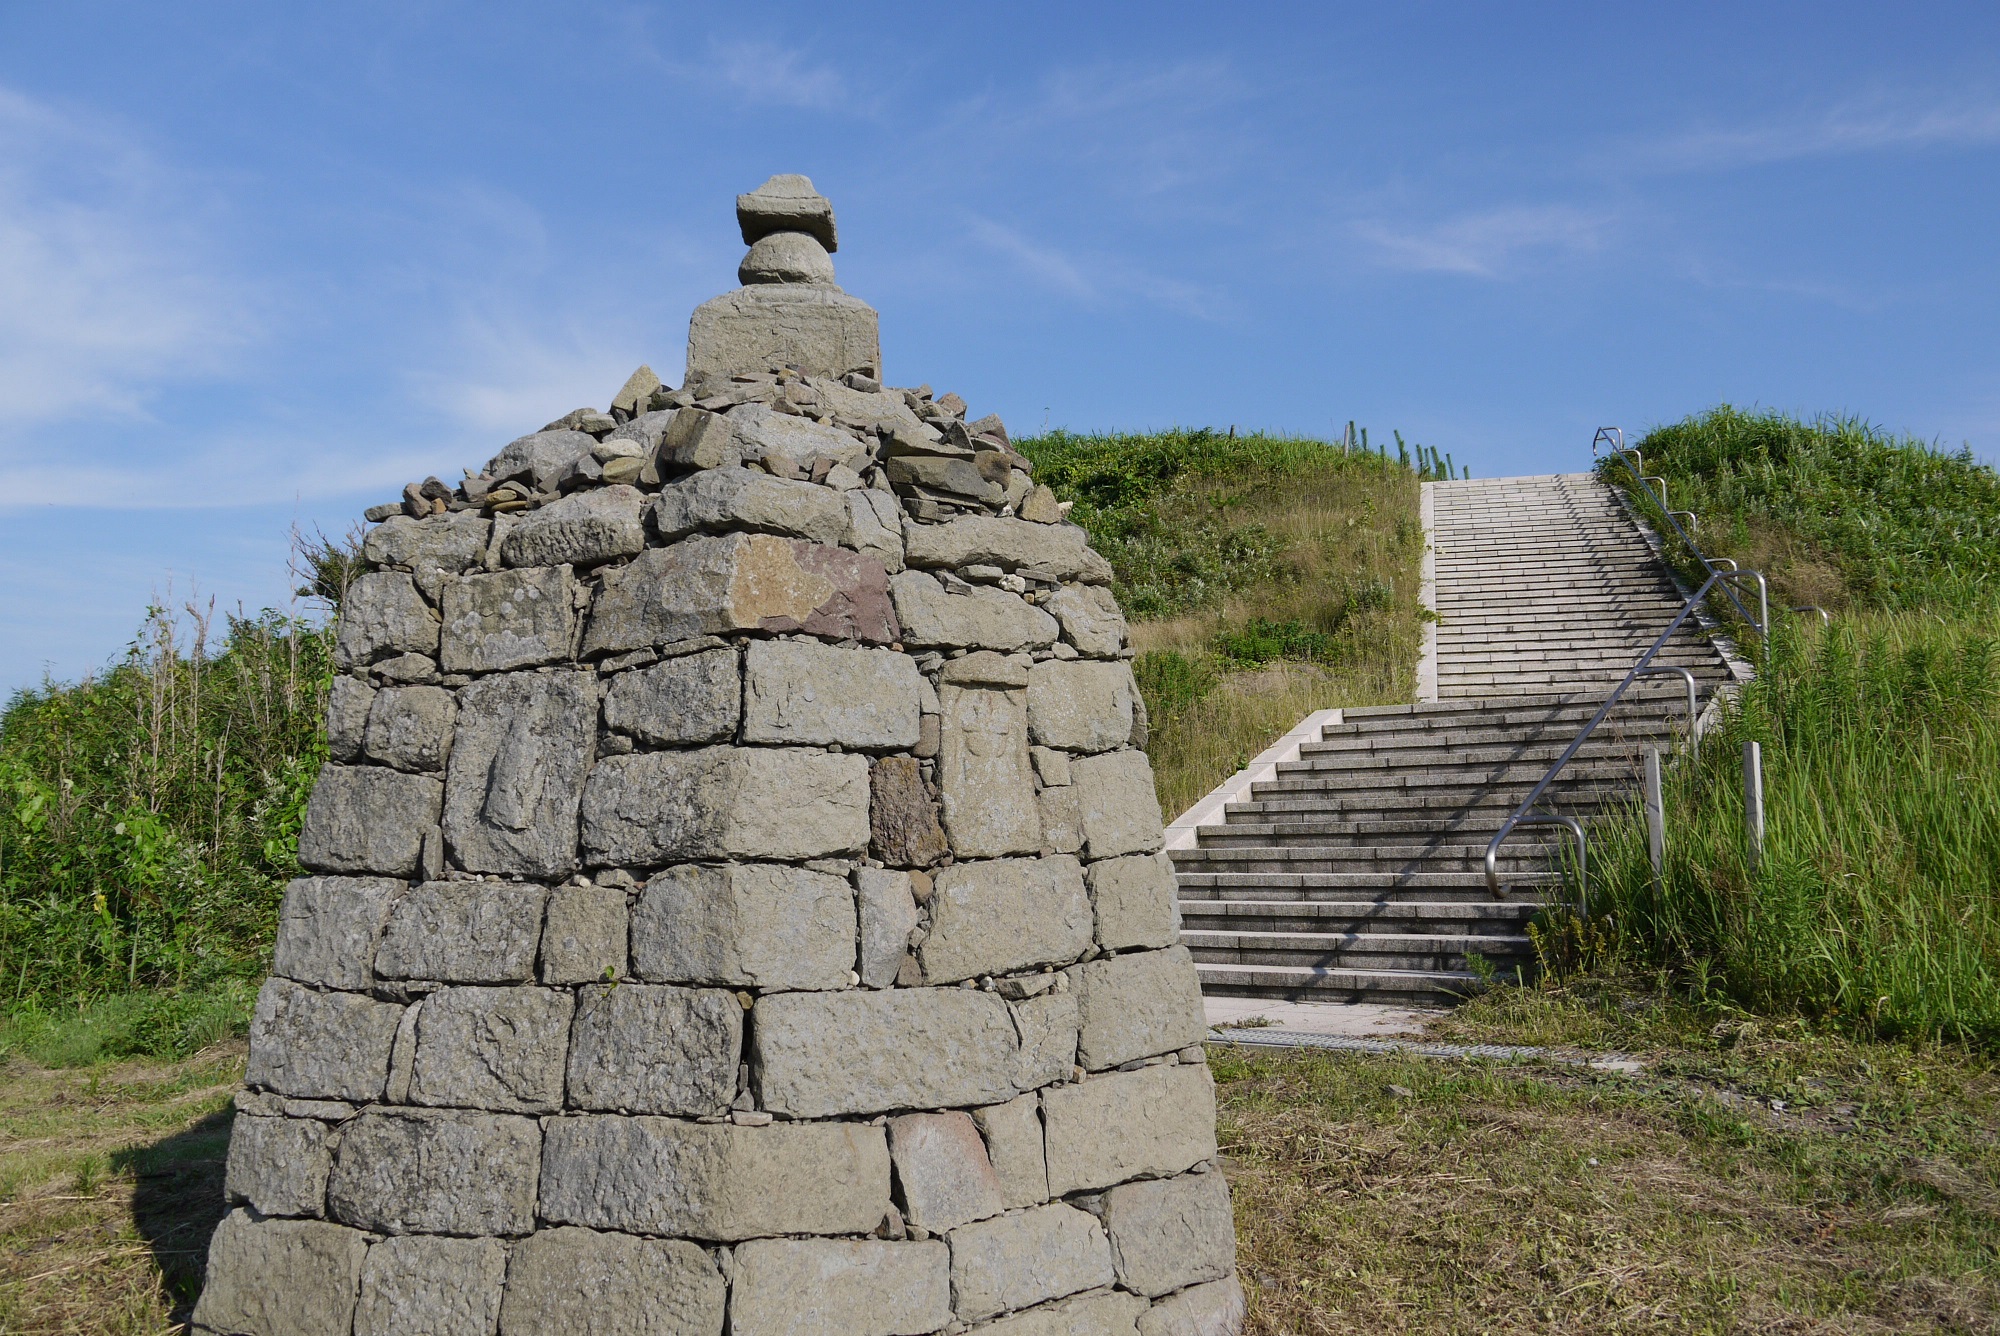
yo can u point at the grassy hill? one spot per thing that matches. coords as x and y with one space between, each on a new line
1876 902
1265 577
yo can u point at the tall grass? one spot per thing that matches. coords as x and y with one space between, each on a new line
1877 897
149 816
1266 577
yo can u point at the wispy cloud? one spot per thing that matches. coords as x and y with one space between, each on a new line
1118 135
1878 123
506 371
1495 243
108 285
1094 280
766 74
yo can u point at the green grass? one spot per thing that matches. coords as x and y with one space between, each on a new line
1265 577
1876 902
1877 897
1834 511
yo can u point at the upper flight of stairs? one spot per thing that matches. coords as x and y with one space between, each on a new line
1357 871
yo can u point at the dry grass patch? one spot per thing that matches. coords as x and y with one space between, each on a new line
1753 1178
110 1184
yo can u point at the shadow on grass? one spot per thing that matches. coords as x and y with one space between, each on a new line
178 1201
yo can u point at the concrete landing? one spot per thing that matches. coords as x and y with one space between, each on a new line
1355 1020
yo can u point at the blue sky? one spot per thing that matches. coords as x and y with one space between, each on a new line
260 264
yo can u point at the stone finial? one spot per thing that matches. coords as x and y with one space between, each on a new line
787 203
789 312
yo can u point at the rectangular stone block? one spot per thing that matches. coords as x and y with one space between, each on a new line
327 929
722 499
1099 1313
280 1278
1137 1006
983 618
1090 619
348 701
584 938
943 1177
741 582
436 1171
1047 1026
840 1287
691 699
1167 1233
984 774
369 819
1214 1309
818 329
1013 1133
430 1284
715 1181
431 548
1081 705
1006 915
1015 1261
517 772
410 728
875 527
1135 901
641 1048
994 540
888 913
1062 819
492 1048
820 1055
320 1045
574 1282
464 932
583 529
382 616
755 925
1121 810
725 802
1152 1122
817 695
278 1165
902 816
508 619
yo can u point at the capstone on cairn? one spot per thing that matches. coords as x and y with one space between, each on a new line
735 899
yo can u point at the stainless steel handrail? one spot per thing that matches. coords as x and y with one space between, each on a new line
1526 815
1694 694
1825 619
1614 439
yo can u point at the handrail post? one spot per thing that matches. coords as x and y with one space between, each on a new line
1656 820
1753 803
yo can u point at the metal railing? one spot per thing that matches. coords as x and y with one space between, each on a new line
1723 575
1609 443
1527 815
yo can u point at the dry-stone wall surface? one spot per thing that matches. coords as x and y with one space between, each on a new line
735 900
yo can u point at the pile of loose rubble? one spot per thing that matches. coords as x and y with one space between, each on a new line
737 899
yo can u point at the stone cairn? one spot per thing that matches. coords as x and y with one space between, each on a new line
736 899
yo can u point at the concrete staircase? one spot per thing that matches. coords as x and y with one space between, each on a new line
1355 871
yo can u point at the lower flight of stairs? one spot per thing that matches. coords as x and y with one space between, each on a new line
1358 872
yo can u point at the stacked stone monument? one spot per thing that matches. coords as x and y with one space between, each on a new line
735 898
